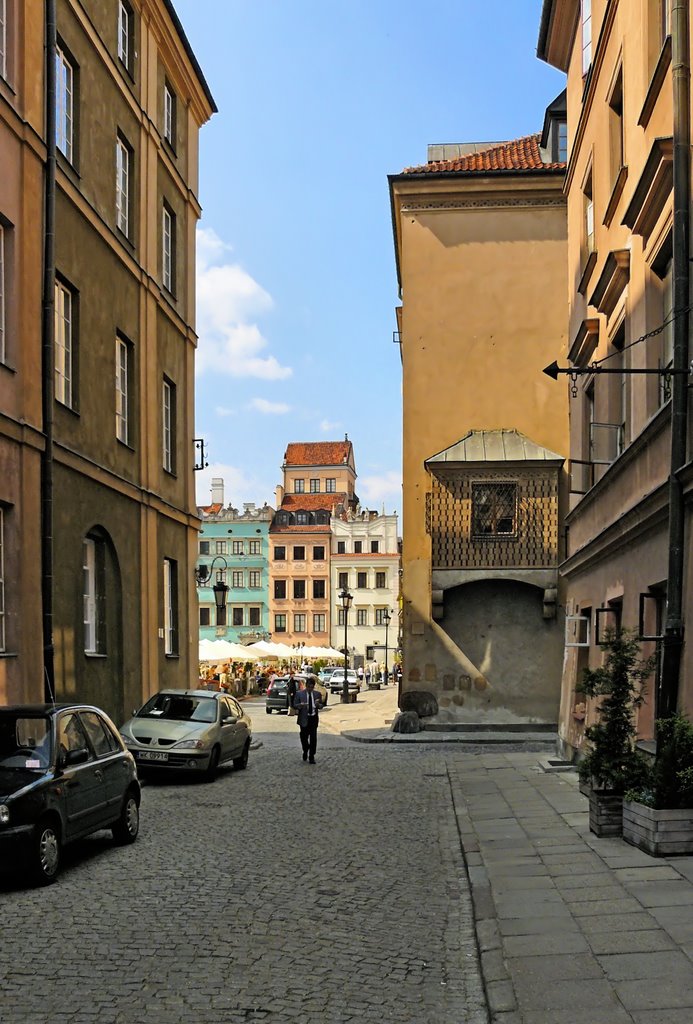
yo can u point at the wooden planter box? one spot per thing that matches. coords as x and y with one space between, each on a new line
374 686
606 812
659 833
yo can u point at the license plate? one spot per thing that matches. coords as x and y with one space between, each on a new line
152 755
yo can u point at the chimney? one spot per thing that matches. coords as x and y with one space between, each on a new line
278 495
248 508
217 490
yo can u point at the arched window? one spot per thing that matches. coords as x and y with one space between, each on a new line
94 593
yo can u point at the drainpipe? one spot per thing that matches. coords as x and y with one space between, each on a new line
673 630
47 369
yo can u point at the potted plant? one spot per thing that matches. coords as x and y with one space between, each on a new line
613 765
658 815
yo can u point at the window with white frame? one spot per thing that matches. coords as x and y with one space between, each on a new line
237 547
169 115
122 388
3 291
341 616
280 623
361 616
220 547
331 485
170 607
319 622
314 486
299 622
299 486
168 244
3 39
2 579
254 579
237 580
93 591
586 35
665 19
254 547
64 104
122 186
380 580
168 411
64 344
380 616
125 34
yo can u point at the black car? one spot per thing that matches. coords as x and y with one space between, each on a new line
277 697
64 773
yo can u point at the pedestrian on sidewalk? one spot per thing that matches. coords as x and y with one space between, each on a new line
292 690
308 704
368 674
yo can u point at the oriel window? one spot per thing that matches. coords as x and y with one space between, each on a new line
494 509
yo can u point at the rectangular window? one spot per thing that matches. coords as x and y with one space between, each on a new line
279 553
170 607
169 115
63 344
361 580
331 485
616 140
168 249
341 547
375 547
340 616
667 359
343 580
319 622
358 547
380 580
236 616
253 616
221 616
255 579
314 486
319 589
89 594
64 104
299 554
319 553
586 35
122 390
494 509
3 291
280 589
380 616
204 547
665 19
237 547
299 623
254 547
588 212
122 186
125 34
562 153
302 519
220 547
299 486
221 576
237 580
168 411
205 617
300 589
361 616
280 623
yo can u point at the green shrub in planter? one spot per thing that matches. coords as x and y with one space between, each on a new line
669 781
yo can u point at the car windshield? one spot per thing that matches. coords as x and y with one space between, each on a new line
25 741
178 707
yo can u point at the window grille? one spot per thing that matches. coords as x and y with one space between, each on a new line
494 509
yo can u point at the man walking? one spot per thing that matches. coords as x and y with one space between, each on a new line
308 704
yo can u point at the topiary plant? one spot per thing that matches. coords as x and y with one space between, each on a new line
613 762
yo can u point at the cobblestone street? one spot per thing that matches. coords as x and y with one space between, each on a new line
288 892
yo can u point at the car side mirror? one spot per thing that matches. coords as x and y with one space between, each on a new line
226 719
74 757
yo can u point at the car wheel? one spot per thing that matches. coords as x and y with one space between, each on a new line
213 766
127 826
242 761
268 710
44 853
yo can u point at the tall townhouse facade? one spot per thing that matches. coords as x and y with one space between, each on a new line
233 548
480 246
623 316
365 562
318 479
108 382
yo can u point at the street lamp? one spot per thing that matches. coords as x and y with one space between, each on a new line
346 598
386 619
203 574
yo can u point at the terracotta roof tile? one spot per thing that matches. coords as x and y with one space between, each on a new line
518 155
317 453
314 528
310 502
211 510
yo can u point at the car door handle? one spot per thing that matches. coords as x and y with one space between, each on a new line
98 774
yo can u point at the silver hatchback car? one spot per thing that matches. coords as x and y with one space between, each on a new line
188 730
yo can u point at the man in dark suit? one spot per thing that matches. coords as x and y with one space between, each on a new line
308 704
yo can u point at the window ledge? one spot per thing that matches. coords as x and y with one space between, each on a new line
587 272
9 654
615 197
7 366
656 83
172 657
96 655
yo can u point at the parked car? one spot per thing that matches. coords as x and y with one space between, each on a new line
189 730
325 674
277 698
64 773
337 680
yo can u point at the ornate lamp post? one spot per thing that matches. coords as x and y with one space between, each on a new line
386 619
203 574
346 598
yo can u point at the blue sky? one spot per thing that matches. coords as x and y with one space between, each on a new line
319 100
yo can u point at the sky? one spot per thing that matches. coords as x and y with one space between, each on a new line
318 101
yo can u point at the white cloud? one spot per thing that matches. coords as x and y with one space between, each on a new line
328 426
223 411
229 301
384 488
269 408
238 486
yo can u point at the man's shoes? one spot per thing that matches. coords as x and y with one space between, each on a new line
305 755
311 760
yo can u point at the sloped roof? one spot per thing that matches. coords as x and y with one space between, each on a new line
211 510
521 154
495 446
317 453
310 502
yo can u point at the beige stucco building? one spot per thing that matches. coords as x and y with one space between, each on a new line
480 242
622 315
103 538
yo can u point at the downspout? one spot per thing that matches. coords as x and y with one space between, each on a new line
673 630
47 368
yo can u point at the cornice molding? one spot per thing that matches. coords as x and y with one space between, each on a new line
612 281
585 342
653 189
420 205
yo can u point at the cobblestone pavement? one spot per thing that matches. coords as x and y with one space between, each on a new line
286 893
